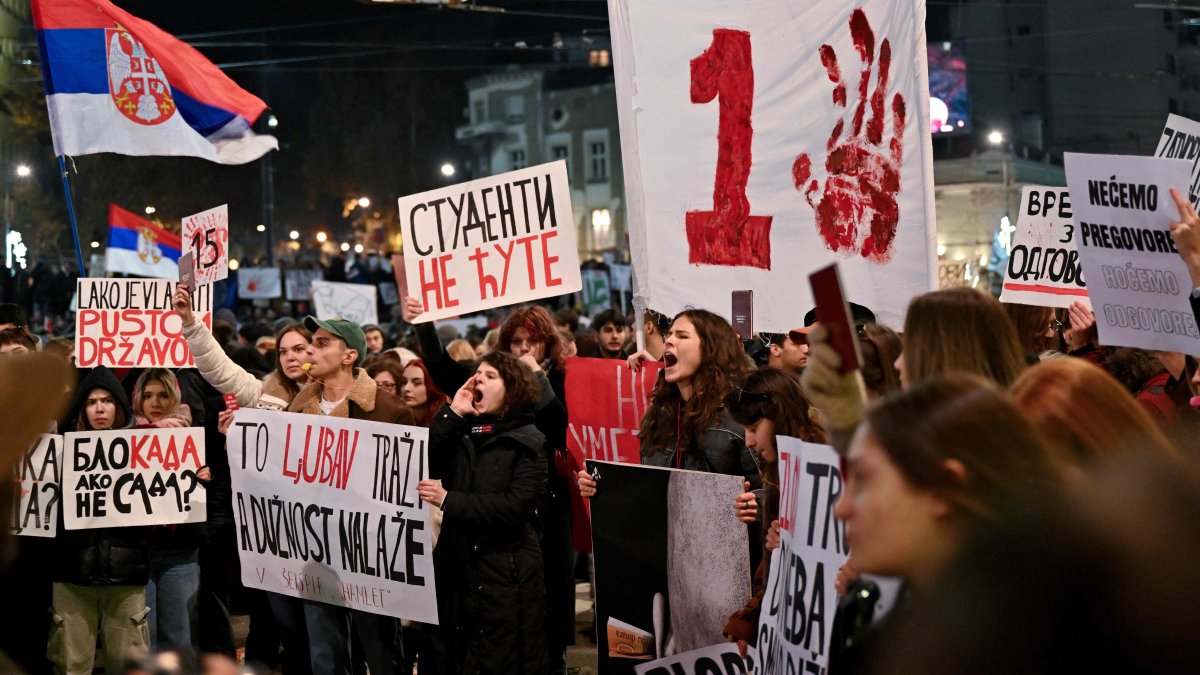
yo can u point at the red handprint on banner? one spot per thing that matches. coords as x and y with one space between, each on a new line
863 176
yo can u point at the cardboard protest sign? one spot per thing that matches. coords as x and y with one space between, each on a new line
647 521
1043 266
129 323
1181 140
596 294
1138 284
490 242
327 510
206 235
127 477
40 474
605 405
256 283
752 156
722 659
353 302
387 292
796 621
299 283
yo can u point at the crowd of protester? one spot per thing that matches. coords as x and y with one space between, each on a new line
1034 491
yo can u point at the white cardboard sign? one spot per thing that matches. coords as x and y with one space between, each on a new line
1043 266
719 659
490 242
39 472
259 283
353 302
1181 140
1138 284
206 235
130 323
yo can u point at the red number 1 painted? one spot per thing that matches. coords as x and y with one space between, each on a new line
728 235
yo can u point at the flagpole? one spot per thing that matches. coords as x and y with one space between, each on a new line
62 167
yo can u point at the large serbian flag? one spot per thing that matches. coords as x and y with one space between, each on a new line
138 246
116 83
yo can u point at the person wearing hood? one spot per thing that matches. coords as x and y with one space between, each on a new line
488 475
99 575
340 387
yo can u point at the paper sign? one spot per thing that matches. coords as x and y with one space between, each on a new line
387 292
129 323
596 295
1138 284
40 474
327 510
1181 140
721 659
605 405
206 236
1043 266
259 283
752 156
353 302
804 567
491 242
129 477
299 283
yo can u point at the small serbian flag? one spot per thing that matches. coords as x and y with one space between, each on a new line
116 83
138 246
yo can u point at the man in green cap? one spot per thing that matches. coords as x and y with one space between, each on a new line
339 388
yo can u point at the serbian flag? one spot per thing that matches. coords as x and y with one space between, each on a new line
138 246
116 83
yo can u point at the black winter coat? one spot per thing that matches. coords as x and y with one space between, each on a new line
117 556
491 594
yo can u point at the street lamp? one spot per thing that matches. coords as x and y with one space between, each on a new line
234 264
995 137
358 248
23 170
294 235
448 170
150 210
261 227
364 202
345 247
322 237
272 121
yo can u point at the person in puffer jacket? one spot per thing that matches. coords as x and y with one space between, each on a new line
99 575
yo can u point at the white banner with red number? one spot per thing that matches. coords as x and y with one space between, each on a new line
206 235
764 139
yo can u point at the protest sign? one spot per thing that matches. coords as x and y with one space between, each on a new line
605 405
795 625
126 477
722 659
327 510
387 292
1181 140
259 283
647 521
718 203
299 283
353 302
129 323
1139 286
490 242
40 474
1043 266
596 294
206 235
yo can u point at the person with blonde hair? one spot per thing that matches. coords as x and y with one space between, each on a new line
157 402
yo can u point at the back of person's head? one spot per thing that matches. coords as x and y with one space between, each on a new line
222 332
460 350
775 395
613 316
62 348
18 336
13 314
248 358
1083 414
1132 367
880 347
1101 580
659 322
520 387
1034 325
967 421
567 317
251 332
960 330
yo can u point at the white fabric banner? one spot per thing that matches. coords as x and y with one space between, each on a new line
353 302
1043 266
490 242
129 477
327 510
1138 284
804 567
259 282
804 139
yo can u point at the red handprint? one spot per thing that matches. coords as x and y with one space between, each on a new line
863 177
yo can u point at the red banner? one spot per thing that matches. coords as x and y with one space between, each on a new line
605 402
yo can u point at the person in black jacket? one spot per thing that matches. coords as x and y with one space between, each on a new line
99 575
487 454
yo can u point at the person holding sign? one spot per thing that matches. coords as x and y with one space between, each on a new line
99 575
488 476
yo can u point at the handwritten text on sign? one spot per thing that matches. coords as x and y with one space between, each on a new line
606 402
491 242
130 477
129 323
796 623
206 235
327 510
1138 284
1181 140
1043 267
39 472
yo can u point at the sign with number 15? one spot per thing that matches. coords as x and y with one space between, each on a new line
206 235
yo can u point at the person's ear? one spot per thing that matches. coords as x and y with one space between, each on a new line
776 350
958 475
350 357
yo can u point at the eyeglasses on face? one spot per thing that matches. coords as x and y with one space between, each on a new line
387 386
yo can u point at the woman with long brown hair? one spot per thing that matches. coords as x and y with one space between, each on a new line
419 393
